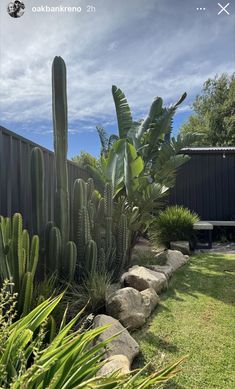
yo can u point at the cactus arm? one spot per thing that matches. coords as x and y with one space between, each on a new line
34 255
25 245
26 293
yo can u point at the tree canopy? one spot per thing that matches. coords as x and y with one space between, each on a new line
214 113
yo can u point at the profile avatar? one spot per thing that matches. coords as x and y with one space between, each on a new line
16 9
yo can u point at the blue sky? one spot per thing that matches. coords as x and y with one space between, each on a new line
147 48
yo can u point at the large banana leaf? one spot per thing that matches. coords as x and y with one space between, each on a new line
133 167
123 112
155 111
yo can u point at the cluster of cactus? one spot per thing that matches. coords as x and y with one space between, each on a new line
18 259
97 242
60 259
101 242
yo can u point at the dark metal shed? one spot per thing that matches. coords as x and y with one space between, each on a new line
206 184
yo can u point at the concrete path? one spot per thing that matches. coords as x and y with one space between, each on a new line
220 248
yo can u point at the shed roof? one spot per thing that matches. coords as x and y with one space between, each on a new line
208 150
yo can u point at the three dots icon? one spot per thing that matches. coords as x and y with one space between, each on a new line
201 9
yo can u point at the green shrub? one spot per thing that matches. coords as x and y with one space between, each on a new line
174 223
69 361
92 293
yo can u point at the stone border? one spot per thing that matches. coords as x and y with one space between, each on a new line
130 303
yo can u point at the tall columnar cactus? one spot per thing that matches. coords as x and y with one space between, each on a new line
60 123
90 263
122 244
5 236
90 188
37 189
79 201
54 251
18 255
108 211
108 200
18 258
26 293
69 261
31 265
83 234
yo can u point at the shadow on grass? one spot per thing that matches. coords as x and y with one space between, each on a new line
173 385
161 343
209 274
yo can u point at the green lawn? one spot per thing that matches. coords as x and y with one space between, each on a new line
196 318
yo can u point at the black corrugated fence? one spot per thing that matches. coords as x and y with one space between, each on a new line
15 188
206 184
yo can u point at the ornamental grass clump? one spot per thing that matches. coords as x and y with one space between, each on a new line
172 224
69 361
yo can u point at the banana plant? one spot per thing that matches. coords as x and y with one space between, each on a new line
151 138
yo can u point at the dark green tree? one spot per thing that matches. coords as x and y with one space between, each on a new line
84 159
214 113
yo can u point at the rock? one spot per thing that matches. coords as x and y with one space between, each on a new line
127 306
176 259
143 246
112 288
172 258
131 307
141 278
150 300
165 269
124 344
116 362
181 245
161 258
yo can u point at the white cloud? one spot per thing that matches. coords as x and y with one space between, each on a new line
147 48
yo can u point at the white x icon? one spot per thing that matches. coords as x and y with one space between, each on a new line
223 8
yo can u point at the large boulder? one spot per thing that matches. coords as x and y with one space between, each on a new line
167 270
115 363
150 300
141 278
173 258
182 246
131 307
176 259
112 288
123 344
